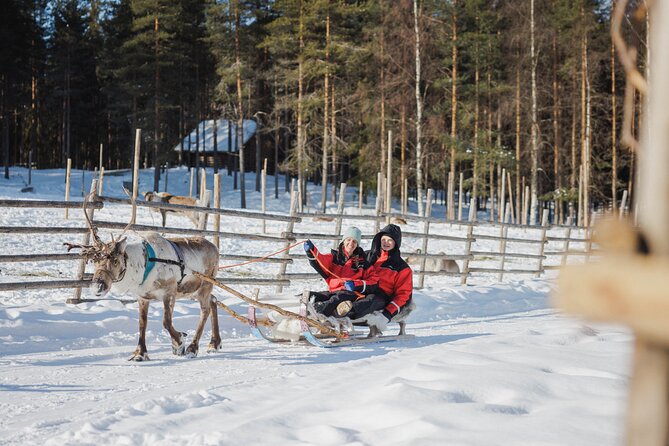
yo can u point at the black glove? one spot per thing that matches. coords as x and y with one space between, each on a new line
387 315
308 248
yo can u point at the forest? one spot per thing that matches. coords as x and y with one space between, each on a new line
445 88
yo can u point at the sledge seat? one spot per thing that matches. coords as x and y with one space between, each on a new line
400 318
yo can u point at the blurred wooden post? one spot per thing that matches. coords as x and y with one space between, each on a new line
135 175
100 162
167 173
389 174
289 230
102 177
426 236
360 195
503 232
190 184
502 193
565 246
217 205
263 191
460 197
68 172
508 182
468 247
379 199
623 203
526 204
340 213
542 245
405 200
86 240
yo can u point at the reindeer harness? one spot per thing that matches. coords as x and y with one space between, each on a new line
150 260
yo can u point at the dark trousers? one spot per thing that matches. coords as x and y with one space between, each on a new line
326 302
368 304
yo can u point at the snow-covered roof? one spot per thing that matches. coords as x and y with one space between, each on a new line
207 135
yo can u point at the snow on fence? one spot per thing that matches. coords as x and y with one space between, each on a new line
482 249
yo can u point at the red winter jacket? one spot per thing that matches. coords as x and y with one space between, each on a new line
394 275
336 268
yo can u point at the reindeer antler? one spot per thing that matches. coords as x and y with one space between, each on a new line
94 231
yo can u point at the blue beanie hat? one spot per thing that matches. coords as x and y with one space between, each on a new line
352 232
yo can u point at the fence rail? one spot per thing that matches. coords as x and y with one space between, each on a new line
473 246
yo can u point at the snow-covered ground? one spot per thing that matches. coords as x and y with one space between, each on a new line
490 364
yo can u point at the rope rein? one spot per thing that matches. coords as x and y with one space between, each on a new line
260 259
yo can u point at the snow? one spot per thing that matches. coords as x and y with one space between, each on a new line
490 363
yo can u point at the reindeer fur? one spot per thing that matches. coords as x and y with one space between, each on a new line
434 264
164 197
163 283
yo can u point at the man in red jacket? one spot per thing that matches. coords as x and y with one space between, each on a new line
395 280
345 270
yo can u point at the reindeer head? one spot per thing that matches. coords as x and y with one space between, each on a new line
109 258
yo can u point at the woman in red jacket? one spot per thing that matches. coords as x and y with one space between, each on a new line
395 279
345 270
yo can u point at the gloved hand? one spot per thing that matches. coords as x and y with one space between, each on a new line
308 248
377 319
349 285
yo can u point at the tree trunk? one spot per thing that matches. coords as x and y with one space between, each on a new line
534 130
519 194
383 90
156 110
419 116
333 146
326 122
557 183
300 127
403 167
240 111
476 122
454 109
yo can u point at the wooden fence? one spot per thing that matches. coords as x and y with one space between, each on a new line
481 249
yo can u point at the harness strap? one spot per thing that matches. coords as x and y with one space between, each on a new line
150 260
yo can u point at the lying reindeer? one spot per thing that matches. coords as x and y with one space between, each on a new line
434 264
164 197
158 269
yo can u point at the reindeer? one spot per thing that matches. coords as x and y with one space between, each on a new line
434 264
157 269
164 197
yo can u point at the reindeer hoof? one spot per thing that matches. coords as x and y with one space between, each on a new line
191 351
213 348
179 350
138 357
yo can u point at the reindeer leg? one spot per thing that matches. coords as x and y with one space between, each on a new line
178 345
140 353
205 309
215 343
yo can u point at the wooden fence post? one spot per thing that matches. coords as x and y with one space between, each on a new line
360 195
565 246
460 197
389 174
294 197
503 232
86 240
379 200
190 184
135 175
623 203
217 205
508 182
68 172
102 177
426 232
340 212
542 245
468 252
263 191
